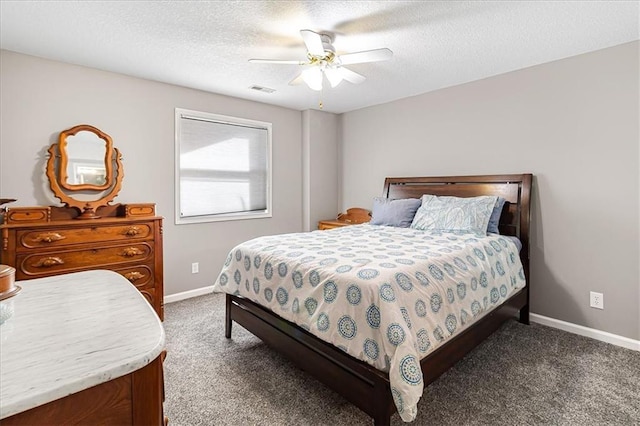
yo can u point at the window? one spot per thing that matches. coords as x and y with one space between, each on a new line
223 167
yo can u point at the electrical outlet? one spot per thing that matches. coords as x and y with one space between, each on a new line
195 267
596 300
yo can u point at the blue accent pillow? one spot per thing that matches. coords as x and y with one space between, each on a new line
495 216
398 212
444 213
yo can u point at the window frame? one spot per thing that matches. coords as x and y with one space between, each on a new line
229 120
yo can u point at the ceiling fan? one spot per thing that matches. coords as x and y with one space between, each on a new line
322 61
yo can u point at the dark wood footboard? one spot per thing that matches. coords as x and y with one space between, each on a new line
358 382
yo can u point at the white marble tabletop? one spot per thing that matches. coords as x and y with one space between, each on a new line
71 332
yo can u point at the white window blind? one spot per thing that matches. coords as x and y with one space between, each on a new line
223 167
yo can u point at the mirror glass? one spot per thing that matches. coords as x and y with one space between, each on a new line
84 169
86 163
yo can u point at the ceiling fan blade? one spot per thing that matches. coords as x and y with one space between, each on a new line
277 61
351 76
313 41
366 56
296 81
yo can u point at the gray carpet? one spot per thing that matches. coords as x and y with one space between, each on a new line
521 375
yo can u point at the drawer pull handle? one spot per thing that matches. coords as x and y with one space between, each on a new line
48 262
134 276
49 237
132 231
132 251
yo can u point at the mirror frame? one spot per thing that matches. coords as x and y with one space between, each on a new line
57 174
64 158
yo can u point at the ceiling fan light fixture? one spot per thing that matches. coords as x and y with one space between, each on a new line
313 78
334 76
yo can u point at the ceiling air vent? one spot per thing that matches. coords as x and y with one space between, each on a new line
262 89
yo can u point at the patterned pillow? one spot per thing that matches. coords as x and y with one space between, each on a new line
454 213
494 220
398 213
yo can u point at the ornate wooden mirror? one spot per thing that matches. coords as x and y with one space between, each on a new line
84 169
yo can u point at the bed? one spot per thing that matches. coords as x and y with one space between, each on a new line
385 375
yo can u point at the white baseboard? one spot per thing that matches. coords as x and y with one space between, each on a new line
188 294
603 336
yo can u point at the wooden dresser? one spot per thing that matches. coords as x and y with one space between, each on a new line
43 241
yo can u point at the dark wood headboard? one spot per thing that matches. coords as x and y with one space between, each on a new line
516 189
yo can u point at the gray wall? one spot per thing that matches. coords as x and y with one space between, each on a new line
574 124
321 170
40 98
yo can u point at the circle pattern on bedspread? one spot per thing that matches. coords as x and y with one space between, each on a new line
268 270
436 272
451 323
347 327
395 334
354 294
410 370
436 302
387 293
297 279
461 288
404 281
368 274
343 269
460 264
495 295
330 291
247 263
223 279
314 278
373 316
282 296
311 305
449 270
405 316
371 349
484 282
323 322
421 308
237 276
422 278
423 340
282 269
397 400
268 294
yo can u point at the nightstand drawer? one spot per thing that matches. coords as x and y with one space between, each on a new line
330 224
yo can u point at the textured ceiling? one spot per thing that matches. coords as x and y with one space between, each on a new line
206 44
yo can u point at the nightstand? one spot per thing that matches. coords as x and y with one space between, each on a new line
353 216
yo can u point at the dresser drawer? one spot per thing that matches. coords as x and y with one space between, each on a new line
150 295
52 237
44 264
140 275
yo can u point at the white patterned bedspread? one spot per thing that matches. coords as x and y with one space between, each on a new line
385 295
